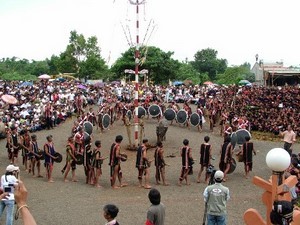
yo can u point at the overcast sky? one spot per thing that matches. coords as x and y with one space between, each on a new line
237 29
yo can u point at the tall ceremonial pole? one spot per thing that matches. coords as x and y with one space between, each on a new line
137 61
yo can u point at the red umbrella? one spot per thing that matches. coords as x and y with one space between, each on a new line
208 83
9 99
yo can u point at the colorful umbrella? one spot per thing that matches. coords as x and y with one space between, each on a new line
244 82
26 84
177 83
44 76
9 99
80 86
208 83
99 84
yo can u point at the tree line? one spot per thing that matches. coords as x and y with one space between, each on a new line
82 57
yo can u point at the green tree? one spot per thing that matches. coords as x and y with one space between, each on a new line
233 75
248 75
187 72
206 61
160 65
39 67
82 56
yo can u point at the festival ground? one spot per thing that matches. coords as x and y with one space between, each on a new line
80 204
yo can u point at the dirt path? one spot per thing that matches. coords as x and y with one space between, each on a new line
81 204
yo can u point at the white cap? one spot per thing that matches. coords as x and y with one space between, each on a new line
11 168
219 175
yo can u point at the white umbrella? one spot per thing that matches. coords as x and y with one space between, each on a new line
44 76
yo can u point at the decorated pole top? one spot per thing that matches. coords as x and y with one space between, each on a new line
137 2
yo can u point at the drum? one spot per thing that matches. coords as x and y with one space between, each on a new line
79 159
170 114
59 157
129 114
241 134
233 139
181 116
232 166
105 121
239 158
123 157
195 119
141 111
41 154
88 127
87 138
154 110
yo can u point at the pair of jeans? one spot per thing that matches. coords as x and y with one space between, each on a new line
216 220
10 206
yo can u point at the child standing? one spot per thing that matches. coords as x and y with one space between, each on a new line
110 213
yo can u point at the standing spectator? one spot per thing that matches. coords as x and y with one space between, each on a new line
216 197
110 213
7 185
13 145
156 212
48 113
205 156
289 137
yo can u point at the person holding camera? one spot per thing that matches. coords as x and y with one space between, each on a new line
216 197
7 186
23 209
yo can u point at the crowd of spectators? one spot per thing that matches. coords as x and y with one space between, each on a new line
268 109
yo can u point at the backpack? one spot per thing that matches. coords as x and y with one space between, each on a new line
282 212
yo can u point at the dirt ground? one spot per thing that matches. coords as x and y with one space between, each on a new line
81 204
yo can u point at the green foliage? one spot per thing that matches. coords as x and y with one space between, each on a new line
248 75
204 77
206 61
17 76
187 72
161 67
81 56
20 67
233 75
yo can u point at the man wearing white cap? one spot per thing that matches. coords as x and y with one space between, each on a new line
7 185
215 197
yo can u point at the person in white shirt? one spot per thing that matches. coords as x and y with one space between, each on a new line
289 138
8 180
